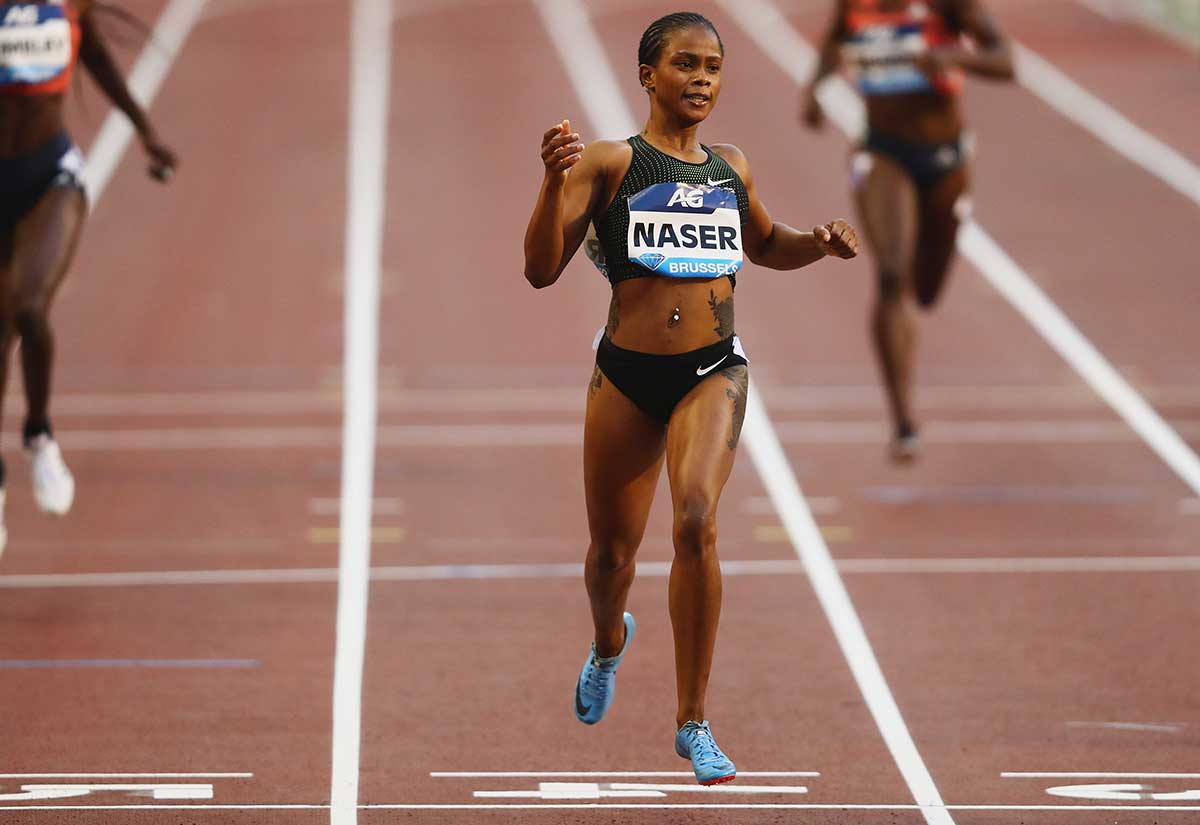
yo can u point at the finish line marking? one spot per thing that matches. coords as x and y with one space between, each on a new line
609 806
126 776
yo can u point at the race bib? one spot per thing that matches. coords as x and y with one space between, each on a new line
883 58
681 230
35 43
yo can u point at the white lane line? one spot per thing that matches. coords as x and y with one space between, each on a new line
172 29
1148 727
370 70
1086 110
775 33
452 436
598 92
808 398
1094 775
734 806
569 570
601 774
126 775
1060 564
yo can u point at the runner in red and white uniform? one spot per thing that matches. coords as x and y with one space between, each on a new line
910 172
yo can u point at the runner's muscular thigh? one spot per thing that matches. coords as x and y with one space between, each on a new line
43 245
703 436
888 205
622 459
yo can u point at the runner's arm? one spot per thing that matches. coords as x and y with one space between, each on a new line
573 178
95 56
777 245
989 54
830 58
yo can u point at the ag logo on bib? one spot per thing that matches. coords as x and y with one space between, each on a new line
682 230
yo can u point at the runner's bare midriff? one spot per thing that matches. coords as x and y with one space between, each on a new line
922 117
26 122
645 307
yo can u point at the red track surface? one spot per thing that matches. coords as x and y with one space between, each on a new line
218 299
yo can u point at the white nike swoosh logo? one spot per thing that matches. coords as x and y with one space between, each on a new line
712 182
707 370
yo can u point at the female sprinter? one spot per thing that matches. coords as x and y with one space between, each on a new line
672 218
910 174
42 202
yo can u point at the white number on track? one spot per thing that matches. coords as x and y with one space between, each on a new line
1121 792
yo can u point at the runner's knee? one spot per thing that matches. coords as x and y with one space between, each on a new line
891 285
30 317
613 554
695 529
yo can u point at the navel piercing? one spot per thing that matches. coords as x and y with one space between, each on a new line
674 317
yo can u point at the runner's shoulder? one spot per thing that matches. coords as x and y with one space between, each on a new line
605 159
734 156
608 153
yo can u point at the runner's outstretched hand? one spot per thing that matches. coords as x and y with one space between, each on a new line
561 150
837 238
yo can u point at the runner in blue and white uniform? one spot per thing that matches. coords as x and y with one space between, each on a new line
674 221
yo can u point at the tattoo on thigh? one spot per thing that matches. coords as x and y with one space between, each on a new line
722 314
739 379
596 382
614 317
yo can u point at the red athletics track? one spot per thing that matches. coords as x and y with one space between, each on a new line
994 670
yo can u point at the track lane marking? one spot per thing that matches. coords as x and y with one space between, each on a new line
1094 775
1056 89
565 399
126 775
452 436
767 26
602 806
370 74
566 570
597 90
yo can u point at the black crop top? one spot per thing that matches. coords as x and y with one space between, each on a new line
671 218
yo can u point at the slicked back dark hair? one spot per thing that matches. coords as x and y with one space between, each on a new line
656 34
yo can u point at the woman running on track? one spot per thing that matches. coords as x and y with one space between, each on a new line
42 201
910 173
672 218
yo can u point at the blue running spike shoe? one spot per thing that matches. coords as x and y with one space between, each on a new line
695 741
598 680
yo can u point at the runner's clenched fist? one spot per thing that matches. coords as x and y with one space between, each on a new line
837 238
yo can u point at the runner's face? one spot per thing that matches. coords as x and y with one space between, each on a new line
687 79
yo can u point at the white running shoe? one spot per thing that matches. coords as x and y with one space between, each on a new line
3 529
53 484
